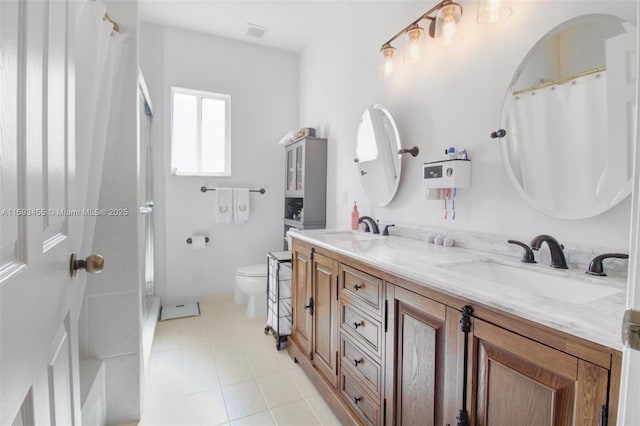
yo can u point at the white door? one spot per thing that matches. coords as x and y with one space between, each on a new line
39 223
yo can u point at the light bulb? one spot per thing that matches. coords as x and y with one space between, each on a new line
415 48
492 11
388 68
388 63
448 30
447 20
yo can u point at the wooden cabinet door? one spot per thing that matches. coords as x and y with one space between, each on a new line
415 359
517 381
301 298
324 344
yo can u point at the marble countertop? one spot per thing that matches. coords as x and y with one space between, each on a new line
596 319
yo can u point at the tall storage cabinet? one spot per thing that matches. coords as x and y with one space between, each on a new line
305 195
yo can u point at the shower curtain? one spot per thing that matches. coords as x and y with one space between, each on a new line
98 52
563 160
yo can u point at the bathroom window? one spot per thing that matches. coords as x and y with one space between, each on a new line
200 134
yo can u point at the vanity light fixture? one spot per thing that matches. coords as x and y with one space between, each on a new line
492 11
443 24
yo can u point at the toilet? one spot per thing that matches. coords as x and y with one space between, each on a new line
251 288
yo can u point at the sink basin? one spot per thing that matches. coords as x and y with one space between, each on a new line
551 285
350 236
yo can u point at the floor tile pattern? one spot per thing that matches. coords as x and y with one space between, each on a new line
221 369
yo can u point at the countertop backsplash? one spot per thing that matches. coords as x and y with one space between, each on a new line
578 257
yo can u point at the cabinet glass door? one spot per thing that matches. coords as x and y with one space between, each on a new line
290 170
299 165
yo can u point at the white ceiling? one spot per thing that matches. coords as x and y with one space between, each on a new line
291 25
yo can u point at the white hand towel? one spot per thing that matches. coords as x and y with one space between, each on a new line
241 205
224 205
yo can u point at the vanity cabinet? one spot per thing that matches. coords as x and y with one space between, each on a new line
324 342
422 360
517 380
300 299
384 350
315 305
362 330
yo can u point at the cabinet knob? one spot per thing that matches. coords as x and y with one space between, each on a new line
357 287
357 361
357 399
358 324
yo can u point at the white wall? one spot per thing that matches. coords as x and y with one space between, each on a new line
455 99
263 84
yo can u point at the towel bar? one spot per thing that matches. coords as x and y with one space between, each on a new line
205 189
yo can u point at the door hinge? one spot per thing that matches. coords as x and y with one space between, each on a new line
603 416
386 315
337 287
336 363
631 329
384 411
311 356
313 250
465 320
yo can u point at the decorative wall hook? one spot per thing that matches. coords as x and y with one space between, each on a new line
414 150
500 133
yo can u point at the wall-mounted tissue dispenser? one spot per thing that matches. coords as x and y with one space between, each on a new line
447 174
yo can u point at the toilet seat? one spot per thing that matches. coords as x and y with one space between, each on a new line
257 270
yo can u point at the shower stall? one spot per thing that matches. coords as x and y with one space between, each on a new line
150 302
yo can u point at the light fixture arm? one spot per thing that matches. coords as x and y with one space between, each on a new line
426 15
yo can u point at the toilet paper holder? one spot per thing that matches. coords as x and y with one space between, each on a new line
189 240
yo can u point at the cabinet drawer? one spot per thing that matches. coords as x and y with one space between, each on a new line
366 405
363 287
361 365
363 327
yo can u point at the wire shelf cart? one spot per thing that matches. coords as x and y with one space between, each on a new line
279 296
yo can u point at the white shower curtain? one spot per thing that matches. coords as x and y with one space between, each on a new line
564 160
98 49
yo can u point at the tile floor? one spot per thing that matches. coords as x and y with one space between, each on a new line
221 369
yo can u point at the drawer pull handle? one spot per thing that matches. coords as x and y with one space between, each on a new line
357 287
357 361
358 324
357 399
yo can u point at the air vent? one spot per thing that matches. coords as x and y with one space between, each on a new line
255 31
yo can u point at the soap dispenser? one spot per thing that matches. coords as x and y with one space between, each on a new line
355 215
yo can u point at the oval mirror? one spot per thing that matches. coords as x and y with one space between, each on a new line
569 114
378 162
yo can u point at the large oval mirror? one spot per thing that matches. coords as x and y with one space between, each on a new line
570 114
377 158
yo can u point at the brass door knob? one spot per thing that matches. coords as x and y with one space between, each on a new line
92 264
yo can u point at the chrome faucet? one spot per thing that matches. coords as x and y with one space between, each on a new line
369 221
555 248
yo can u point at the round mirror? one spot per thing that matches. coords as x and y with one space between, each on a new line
377 158
570 114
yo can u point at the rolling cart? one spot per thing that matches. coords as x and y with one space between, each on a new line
279 296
